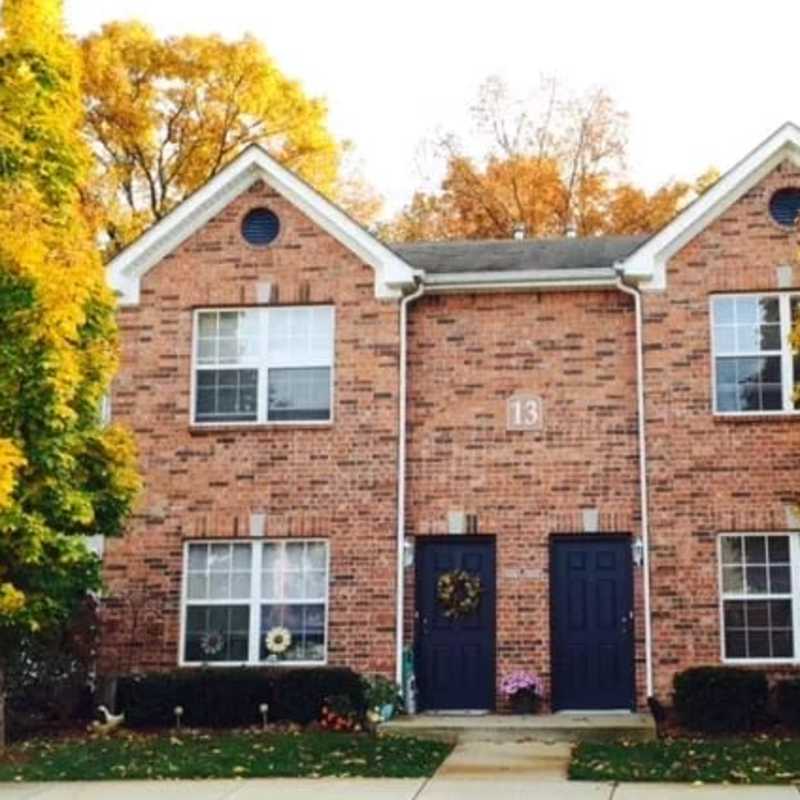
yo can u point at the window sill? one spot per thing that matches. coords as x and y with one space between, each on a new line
766 663
198 429
253 665
756 416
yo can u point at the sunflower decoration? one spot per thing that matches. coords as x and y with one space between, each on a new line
212 643
278 640
459 593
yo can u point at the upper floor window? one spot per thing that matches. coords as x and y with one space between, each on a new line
263 365
755 369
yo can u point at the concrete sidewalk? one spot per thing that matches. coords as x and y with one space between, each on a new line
473 771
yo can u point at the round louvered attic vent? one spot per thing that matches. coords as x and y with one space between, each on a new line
260 227
784 206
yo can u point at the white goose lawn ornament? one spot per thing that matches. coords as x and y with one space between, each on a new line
111 723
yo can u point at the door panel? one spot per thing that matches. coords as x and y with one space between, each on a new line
592 622
455 657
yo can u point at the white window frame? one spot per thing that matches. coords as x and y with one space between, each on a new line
794 571
787 370
261 363
254 603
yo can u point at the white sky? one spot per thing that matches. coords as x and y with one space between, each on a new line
703 81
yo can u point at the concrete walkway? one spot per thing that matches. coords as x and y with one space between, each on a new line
474 771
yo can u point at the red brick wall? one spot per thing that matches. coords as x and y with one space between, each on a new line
709 474
336 481
467 354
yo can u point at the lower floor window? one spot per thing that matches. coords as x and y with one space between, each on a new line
759 596
255 602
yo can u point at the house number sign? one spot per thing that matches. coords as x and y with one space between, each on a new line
524 413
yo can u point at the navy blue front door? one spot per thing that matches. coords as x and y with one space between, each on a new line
591 585
455 656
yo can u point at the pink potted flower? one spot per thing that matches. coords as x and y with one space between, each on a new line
523 690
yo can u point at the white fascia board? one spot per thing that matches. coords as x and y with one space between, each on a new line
392 275
647 265
521 280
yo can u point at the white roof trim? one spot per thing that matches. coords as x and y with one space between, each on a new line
648 265
527 279
125 272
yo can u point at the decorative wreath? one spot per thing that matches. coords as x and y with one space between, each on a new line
459 592
212 642
278 640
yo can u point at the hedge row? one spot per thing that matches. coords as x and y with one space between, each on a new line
222 698
730 700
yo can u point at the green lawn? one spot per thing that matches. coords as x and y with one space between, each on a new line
758 759
241 754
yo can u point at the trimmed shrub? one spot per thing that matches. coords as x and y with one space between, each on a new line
787 702
226 698
721 699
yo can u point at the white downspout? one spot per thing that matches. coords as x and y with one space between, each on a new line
643 489
401 477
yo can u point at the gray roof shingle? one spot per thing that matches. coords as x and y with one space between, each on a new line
513 254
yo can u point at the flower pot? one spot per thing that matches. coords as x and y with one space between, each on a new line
387 712
524 702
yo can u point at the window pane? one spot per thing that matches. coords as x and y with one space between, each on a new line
241 556
732 580
227 395
725 339
315 556
749 384
778 549
315 585
780 581
747 309
197 556
197 587
758 644
769 309
220 558
268 587
306 625
294 555
216 633
755 549
219 586
240 585
723 310
301 337
731 548
300 394
270 557
735 644
296 587
293 586
782 644
227 337
756 580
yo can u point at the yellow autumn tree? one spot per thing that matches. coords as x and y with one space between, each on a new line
164 115
62 475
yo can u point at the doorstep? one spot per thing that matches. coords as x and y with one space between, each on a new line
563 727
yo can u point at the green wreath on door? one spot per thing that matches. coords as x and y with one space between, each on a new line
459 593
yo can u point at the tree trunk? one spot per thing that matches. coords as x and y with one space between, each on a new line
2 709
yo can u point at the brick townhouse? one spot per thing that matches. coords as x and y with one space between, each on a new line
575 456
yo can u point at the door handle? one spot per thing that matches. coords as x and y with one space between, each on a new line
625 620
425 627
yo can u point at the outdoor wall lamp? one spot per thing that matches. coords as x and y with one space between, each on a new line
637 551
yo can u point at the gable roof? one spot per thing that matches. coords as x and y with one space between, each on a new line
125 271
512 255
647 264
